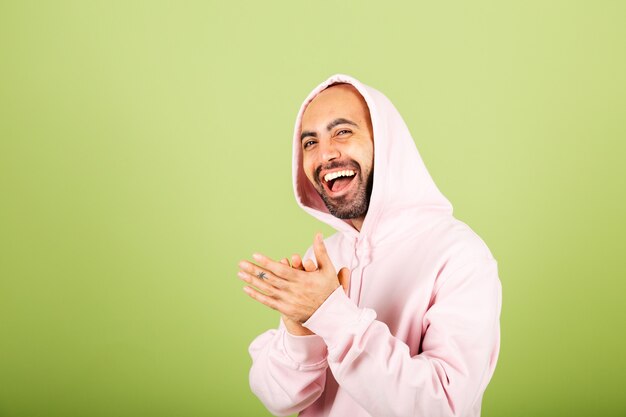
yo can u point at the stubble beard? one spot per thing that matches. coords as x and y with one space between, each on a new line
349 206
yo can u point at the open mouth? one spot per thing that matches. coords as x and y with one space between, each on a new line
339 180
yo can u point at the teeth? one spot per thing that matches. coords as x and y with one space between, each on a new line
337 174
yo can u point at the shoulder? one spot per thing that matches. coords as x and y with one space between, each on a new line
458 241
464 259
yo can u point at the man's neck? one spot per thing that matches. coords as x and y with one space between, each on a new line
358 222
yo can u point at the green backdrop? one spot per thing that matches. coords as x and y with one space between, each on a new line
145 150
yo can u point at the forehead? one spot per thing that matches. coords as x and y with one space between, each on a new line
341 100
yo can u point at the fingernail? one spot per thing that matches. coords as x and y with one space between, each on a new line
241 274
243 264
257 257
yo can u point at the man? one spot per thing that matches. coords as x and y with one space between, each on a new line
409 326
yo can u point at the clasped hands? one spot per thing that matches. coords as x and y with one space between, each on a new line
296 290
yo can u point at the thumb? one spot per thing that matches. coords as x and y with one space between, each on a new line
321 256
344 278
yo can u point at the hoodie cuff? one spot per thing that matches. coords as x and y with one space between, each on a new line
335 315
305 350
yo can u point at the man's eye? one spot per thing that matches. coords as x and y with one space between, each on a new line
343 132
308 143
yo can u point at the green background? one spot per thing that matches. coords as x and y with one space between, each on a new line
145 149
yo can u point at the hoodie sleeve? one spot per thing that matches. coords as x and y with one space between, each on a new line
288 372
459 348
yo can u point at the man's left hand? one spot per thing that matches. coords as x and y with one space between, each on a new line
295 293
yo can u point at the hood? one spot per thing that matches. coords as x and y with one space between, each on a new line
404 195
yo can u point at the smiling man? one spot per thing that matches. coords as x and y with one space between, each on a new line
396 314
338 151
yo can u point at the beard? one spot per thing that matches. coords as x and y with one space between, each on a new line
354 204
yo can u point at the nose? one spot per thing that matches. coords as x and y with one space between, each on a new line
329 151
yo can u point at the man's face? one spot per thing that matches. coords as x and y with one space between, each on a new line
338 150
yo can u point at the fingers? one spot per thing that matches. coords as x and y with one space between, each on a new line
323 261
260 278
309 265
278 269
259 283
296 262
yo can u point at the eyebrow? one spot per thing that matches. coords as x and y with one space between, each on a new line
336 122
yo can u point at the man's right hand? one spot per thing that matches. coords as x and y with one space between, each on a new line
308 265
293 327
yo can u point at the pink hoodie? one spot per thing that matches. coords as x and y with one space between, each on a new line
418 332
